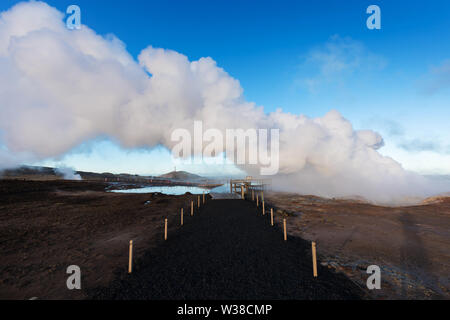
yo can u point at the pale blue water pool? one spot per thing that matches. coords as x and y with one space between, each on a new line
175 190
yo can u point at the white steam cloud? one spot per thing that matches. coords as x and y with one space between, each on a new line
59 88
68 173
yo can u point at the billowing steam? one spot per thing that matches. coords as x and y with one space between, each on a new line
59 88
68 173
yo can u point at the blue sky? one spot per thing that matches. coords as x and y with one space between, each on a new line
302 56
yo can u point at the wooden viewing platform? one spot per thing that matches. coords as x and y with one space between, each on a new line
244 186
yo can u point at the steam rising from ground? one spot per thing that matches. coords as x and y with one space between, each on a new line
68 173
59 88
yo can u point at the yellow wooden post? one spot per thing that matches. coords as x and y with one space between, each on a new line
192 208
264 210
130 257
257 200
271 216
242 192
203 197
165 229
284 227
313 246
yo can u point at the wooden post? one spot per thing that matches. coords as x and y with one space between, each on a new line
264 210
181 216
198 201
165 229
271 216
130 257
242 192
313 245
257 200
192 208
284 227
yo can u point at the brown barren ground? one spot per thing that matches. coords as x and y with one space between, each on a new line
410 244
45 226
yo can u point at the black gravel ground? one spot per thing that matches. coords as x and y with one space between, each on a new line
228 250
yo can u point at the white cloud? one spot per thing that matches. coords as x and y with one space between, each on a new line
336 60
438 79
68 173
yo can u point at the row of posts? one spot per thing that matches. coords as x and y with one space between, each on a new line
130 255
313 244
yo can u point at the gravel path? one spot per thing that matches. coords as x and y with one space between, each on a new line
228 250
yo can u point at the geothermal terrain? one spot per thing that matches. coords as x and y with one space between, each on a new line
410 244
49 224
45 226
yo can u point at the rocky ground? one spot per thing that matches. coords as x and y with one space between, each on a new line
45 226
410 244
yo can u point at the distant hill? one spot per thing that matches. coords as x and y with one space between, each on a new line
181 175
39 173
28 171
46 173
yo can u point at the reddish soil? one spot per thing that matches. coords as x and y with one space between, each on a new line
410 244
45 226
